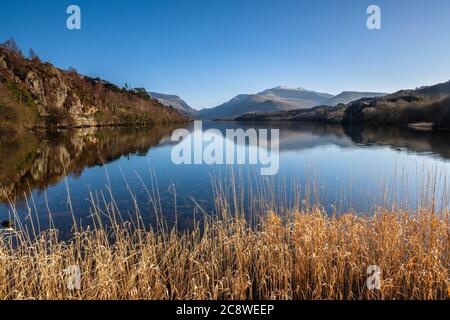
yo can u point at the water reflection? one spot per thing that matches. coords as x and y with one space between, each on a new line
432 142
34 161
35 164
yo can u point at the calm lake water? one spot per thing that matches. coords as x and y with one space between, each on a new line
342 168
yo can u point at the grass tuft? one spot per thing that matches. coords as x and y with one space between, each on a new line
302 255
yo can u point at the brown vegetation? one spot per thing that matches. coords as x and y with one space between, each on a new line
305 255
400 110
34 95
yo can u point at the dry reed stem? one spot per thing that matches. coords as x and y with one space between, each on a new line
305 255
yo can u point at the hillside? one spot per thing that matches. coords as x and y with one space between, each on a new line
275 99
35 94
170 100
423 105
350 96
321 113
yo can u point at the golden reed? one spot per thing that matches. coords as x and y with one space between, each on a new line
302 255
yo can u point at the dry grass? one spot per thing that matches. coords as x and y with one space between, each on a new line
304 255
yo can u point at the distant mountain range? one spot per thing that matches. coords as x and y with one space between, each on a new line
170 100
270 100
424 107
280 99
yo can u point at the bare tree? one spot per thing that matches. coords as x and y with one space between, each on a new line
11 45
72 70
32 55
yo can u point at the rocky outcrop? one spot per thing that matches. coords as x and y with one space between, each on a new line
38 95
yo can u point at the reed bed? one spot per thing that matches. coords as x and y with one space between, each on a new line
302 254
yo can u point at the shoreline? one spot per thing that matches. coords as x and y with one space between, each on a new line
115 125
414 126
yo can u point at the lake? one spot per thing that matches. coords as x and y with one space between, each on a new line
341 168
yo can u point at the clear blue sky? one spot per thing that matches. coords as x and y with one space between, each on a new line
208 51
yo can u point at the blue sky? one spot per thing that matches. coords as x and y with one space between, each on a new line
208 51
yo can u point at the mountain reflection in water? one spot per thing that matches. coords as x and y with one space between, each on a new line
33 165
